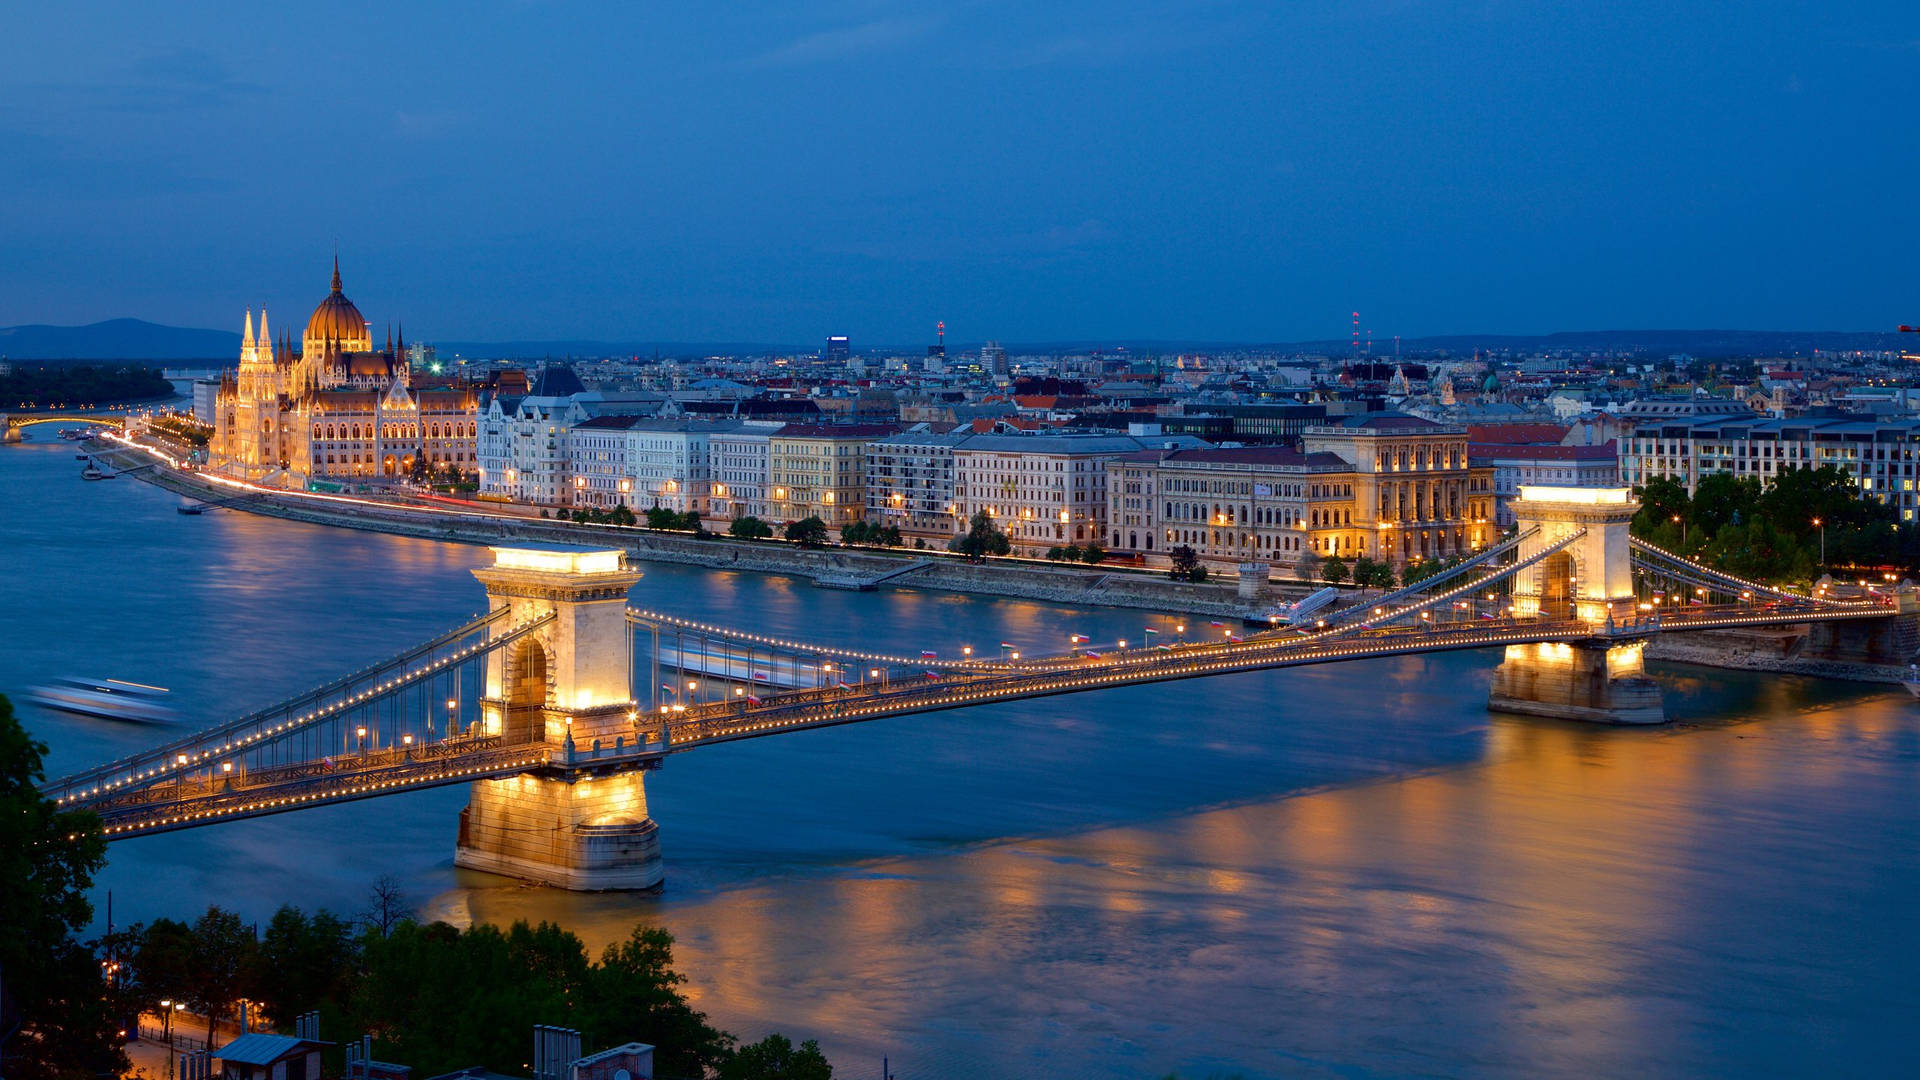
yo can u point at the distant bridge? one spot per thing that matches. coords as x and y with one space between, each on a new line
555 702
11 424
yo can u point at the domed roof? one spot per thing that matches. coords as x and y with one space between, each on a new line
336 317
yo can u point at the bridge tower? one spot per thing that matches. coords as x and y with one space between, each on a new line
564 685
1599 676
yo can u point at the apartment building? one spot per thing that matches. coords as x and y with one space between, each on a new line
1044 490
910 483
1231 505
1883 456
740 464
820 470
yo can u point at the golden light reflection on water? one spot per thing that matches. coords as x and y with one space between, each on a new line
1536 905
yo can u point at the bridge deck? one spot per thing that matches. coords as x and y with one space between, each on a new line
208 799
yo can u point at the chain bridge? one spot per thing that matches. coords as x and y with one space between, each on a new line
555 703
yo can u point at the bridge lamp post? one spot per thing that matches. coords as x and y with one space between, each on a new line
407 741
167 1006
452 708
360 733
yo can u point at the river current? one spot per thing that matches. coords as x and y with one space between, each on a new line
1344 871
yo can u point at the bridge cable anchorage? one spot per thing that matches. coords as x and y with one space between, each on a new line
643 617
1660 560
257 731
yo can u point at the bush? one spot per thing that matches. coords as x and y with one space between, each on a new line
808 532
749 528
1333 570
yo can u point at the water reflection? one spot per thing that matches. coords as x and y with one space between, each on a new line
1329 871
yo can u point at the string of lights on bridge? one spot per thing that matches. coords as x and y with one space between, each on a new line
801 646
181 761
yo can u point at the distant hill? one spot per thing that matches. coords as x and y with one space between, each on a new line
117 339
1702 343
535 350
134 339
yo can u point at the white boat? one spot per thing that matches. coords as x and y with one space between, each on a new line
111 699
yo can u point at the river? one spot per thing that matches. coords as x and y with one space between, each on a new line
1342 871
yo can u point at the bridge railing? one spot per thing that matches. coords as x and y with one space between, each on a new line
263 729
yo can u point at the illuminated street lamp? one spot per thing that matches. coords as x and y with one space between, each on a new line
1821 524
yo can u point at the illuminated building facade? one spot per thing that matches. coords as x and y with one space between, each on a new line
337 409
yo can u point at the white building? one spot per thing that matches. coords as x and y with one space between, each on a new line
1882 456
1044 490
522 444
740 463
910 483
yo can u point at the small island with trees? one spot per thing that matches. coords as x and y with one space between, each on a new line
58 386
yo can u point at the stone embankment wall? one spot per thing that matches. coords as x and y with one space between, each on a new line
1089 586
1714 651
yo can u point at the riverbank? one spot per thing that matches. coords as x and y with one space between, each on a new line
1678 648
828 567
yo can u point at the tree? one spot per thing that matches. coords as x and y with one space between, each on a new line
1093 554
855 532
387 906
1186 563
221 956
809 532
302 963
47 861
1308 567
1363 568
749 528
982 538
659 517
622 515
776 1058
163 962
1334 570
634 994
1722 499
1661 502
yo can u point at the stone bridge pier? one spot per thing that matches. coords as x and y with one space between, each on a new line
563 686
1599 676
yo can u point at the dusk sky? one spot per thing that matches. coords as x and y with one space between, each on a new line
1027 172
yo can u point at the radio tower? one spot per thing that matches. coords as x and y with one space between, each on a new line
1356 333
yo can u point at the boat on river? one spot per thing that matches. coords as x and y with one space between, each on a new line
94 472
110 699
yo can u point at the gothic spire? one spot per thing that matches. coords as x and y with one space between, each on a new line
265 341
336 273
246 340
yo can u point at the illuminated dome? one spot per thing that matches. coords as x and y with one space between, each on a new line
336 318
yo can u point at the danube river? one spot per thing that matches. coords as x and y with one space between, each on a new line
1341 871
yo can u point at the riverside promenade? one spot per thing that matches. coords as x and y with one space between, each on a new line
830 567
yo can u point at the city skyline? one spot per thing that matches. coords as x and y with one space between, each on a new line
1217 174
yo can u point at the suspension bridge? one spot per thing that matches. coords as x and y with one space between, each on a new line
555 702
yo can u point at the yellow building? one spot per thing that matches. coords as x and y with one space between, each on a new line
820 470
336 409
1413 495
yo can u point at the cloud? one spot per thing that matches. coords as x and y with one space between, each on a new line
172 81
875 35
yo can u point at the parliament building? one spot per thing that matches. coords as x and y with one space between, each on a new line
338 410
